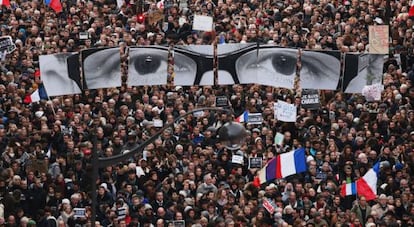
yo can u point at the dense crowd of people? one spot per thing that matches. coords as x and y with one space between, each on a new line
187 177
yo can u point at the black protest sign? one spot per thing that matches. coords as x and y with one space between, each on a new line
255 162
222 101
310 99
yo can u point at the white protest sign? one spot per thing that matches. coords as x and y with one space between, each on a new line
285 112
203 23
238 159
158 123
373 92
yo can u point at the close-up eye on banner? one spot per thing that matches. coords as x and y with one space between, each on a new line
320 70
361 70
60 73
147 66
266 65
275 66
101 67
250 63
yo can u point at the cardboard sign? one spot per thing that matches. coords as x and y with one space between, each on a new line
310 99
203 23
222 101
79 212
378 39
255 162
155 16
255 118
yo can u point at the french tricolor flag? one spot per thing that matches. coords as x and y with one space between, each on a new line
348 189
365 186
5 3
282 166
56 5
244 117
36 96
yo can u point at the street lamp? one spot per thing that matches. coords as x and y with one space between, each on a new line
232 134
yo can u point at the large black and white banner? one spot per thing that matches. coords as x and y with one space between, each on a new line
60 73
101 67
361 70
320 70
193 65
147 66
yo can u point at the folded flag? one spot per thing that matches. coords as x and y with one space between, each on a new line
244 117
36 96
5 3
283 165
55 5
365 186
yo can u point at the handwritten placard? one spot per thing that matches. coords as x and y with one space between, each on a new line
378 39
203 23
284 111
238 159
373 92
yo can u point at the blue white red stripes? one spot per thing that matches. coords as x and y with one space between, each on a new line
283 165
348 189
244 117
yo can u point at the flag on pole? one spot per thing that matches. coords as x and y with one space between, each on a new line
36 96
55 5
243 117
